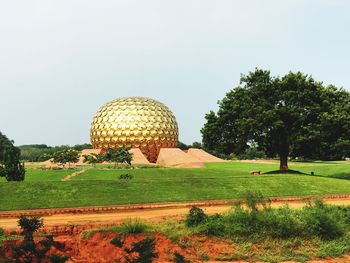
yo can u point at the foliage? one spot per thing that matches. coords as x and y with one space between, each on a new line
135 226
286 116
179 258
126 176
10 166
118 241
251 153
118 155
55 258
253 199
196 145
92 159
28 250
66 156
324 221
184 146
29 225
195 217
43 152
314 221
144 249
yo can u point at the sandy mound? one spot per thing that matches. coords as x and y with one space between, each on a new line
138 157
177 158
203 155
49 164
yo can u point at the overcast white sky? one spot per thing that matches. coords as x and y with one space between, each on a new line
61 60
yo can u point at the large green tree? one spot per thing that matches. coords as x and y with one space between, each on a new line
293 115
10 166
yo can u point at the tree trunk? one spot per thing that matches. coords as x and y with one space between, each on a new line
284 162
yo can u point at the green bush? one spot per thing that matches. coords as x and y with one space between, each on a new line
214 225
281 222
117 241
2 232
54 258
323 221
135 226
145 250
126 176
195 217
179 258
335 248
314 221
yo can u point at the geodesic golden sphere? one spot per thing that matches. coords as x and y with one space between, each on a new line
135 122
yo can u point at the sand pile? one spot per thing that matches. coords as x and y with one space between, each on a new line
203 155
178 158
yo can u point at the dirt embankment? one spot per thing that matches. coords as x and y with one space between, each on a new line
98 248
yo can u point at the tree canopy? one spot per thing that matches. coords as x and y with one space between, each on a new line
118 155
289 116
10 166
66 156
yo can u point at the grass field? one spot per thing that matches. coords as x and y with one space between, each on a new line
97 186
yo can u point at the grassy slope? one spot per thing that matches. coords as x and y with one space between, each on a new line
217 181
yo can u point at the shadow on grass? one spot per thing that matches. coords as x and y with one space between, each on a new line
285 172
345 176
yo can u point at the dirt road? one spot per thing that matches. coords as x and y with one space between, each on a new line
147 212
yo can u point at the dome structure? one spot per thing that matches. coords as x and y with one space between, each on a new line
135 122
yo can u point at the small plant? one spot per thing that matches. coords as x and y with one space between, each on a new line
203 255
54 258
179 258
135 226
2 232
126 177
323 221
254 199
195 217
28 250
29 225
118 241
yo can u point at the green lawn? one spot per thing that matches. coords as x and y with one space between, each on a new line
43 189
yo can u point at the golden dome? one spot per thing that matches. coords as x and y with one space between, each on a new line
134 122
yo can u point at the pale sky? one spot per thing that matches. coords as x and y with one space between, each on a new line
60 61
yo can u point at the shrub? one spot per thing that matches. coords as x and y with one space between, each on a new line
126 176
323 221
195 217
145 249
135 226
54 258
2 232
117 241
254 199
214 225
179 258
335 248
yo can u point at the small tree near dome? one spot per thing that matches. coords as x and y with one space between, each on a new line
92 159
118 155
66 156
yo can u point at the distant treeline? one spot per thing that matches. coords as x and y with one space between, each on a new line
42 152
